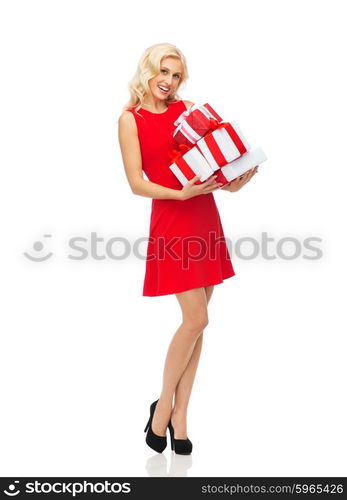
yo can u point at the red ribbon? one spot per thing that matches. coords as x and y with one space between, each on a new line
174 154
187 171
214 148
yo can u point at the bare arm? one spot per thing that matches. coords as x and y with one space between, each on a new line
131 154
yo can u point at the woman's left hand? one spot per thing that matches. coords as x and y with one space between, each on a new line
239 182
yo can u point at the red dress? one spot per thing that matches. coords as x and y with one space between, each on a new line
186 246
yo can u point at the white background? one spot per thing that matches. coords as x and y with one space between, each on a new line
82 349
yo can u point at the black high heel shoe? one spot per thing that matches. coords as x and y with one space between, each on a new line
157 443
180 446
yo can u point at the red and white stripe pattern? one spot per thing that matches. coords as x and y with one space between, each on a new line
194 123
189 165
223 145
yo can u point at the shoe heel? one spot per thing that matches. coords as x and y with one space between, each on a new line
172 441
157 443
147 425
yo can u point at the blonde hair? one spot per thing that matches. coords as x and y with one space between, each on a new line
149 67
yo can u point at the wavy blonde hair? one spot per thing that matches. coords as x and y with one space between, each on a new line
149 67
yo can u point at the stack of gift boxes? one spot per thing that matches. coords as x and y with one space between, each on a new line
207 145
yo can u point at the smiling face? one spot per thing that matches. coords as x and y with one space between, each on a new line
168 79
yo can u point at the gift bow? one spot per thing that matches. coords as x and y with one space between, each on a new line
174 154
214 124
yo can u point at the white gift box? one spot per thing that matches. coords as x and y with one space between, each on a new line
246 162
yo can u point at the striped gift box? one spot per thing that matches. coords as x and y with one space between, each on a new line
189 165
223 145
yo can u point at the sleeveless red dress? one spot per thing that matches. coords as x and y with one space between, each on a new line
186 246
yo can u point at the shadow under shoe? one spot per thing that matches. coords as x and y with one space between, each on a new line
180 446
157 443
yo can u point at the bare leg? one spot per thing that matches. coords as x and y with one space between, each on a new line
194 319
185 385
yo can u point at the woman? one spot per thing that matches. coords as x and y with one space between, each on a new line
181 259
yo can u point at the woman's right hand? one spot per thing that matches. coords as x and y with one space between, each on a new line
190 189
